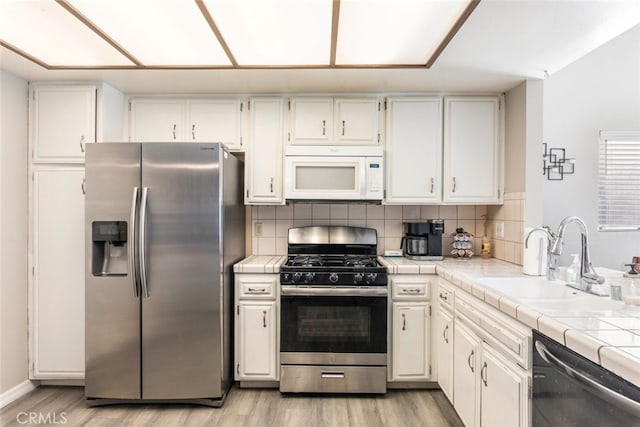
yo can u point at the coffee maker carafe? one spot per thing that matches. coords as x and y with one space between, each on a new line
423 240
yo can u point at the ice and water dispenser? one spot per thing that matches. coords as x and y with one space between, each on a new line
109 248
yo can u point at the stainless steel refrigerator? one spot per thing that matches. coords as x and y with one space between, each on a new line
164 226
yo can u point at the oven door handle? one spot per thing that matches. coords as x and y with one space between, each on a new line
334 292
611 395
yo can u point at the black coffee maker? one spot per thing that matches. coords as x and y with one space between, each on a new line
423 240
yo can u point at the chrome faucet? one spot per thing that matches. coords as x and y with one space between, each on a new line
551 272
588 277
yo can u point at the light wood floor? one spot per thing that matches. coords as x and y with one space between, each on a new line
243 407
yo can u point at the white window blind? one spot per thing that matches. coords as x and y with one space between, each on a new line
619 184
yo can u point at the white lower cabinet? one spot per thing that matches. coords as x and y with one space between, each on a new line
465 376
257 327
444 351
410 348
56 329
503 391
257 324
490 365
410 328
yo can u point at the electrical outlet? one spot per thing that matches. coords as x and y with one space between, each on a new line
500 229
258 229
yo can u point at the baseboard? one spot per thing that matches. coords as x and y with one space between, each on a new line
17 392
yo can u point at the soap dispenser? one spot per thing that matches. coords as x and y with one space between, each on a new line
574 269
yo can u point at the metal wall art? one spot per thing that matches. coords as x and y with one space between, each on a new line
555 163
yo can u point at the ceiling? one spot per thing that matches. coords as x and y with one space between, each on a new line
500 44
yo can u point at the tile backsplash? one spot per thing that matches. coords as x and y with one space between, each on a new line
270 224
511 214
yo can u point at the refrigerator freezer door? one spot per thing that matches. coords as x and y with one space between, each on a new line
112 314
181 315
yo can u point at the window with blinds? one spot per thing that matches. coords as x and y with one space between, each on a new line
619 184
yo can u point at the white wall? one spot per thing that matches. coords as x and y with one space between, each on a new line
13 231
601 91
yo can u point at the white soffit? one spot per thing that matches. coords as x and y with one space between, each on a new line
275 32
528 37
157 32
49 33
394 32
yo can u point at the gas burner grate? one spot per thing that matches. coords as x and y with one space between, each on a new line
307 261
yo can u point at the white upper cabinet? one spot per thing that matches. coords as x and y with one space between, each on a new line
187 120
333 121
157 120
413 150
311 121
473 151
215 121
64 120
356 121
263 159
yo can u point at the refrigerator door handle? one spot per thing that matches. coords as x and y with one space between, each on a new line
142 242
132 242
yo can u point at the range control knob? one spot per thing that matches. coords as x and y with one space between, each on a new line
370 278
297 277
333 278
286 277
358 278
308 278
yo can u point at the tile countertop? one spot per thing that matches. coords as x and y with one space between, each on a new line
604 331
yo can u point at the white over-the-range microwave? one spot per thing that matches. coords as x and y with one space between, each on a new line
333 173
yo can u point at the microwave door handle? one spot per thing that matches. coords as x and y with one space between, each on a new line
133 267
364 163
605 392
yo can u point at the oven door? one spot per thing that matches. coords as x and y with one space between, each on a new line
333 321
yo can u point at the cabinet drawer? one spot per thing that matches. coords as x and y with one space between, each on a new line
257 286
445 296
416 288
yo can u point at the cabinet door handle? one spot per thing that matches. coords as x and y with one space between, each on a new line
324 127
404 322
82 143
260 290
445 334
469 360
83 186
271 184
343 127
444 296
483 373
453 190
432 185
193 132
264 318
174 132
411 291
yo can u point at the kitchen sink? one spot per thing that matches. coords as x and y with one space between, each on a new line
529 287
544 295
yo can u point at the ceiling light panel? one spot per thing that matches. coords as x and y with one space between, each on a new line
393 32
275 32
157 32
49 33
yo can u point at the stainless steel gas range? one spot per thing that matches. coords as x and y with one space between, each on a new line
333 334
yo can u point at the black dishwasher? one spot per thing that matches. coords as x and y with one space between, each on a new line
569 390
